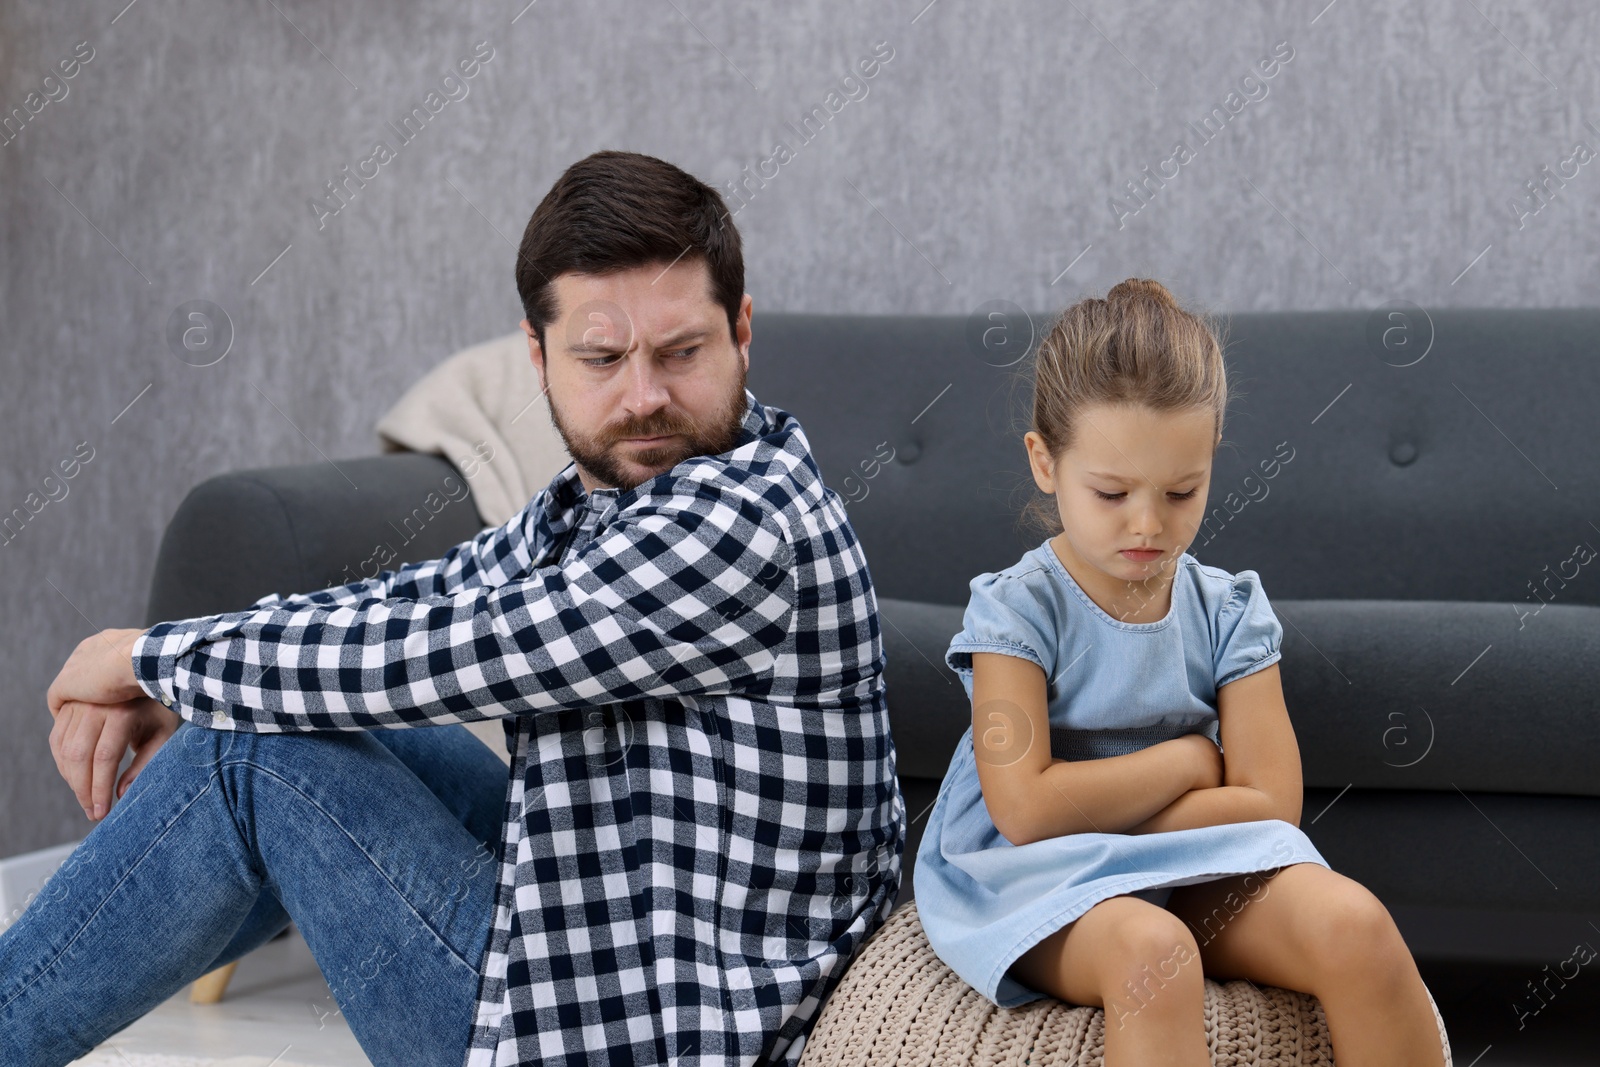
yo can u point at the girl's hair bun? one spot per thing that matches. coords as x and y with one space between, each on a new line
1133 289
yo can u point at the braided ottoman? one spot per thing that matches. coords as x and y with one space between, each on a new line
898 1003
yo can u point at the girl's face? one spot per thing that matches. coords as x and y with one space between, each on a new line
1134 479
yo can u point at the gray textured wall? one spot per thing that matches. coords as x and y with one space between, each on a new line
987 158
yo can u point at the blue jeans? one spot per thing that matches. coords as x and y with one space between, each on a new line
382 846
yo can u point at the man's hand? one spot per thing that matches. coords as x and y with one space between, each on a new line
99 671
99 710
88 741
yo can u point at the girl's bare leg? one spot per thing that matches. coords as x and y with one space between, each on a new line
1314 930
1141 965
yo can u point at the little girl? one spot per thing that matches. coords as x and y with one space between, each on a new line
1090 841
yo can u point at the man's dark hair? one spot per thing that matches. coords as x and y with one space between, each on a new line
613 211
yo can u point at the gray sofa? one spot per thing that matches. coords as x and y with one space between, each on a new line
1417 504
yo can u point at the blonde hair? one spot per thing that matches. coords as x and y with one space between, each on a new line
1137 347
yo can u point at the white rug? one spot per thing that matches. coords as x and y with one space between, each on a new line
111 1057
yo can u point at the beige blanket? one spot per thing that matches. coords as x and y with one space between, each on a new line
482 410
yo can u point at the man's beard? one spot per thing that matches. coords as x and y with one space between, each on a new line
600 456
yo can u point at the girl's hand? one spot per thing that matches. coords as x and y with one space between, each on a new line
1206 759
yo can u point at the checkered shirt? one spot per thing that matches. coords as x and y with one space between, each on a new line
703 822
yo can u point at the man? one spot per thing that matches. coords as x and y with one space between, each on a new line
680 637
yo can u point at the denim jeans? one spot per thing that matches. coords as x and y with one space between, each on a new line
382 846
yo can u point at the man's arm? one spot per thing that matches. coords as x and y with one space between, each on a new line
688 591
1261 762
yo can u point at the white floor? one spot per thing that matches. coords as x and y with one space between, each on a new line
277 1011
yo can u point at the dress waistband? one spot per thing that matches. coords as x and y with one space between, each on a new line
1070 744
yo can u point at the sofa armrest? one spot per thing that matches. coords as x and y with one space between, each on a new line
295 529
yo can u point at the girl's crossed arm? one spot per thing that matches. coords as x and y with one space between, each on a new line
1261 768
1031 796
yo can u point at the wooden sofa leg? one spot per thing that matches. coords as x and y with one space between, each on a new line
209 987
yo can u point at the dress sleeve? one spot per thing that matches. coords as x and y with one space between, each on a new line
1249 634
1003 615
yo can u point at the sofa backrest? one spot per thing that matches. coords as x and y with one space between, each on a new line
1457 460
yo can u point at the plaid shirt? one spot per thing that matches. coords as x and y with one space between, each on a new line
703 822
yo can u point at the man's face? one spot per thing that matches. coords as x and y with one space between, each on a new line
642 354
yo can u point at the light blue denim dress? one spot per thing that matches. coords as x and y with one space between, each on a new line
1113 687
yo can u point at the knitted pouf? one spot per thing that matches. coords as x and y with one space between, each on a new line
898 1003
